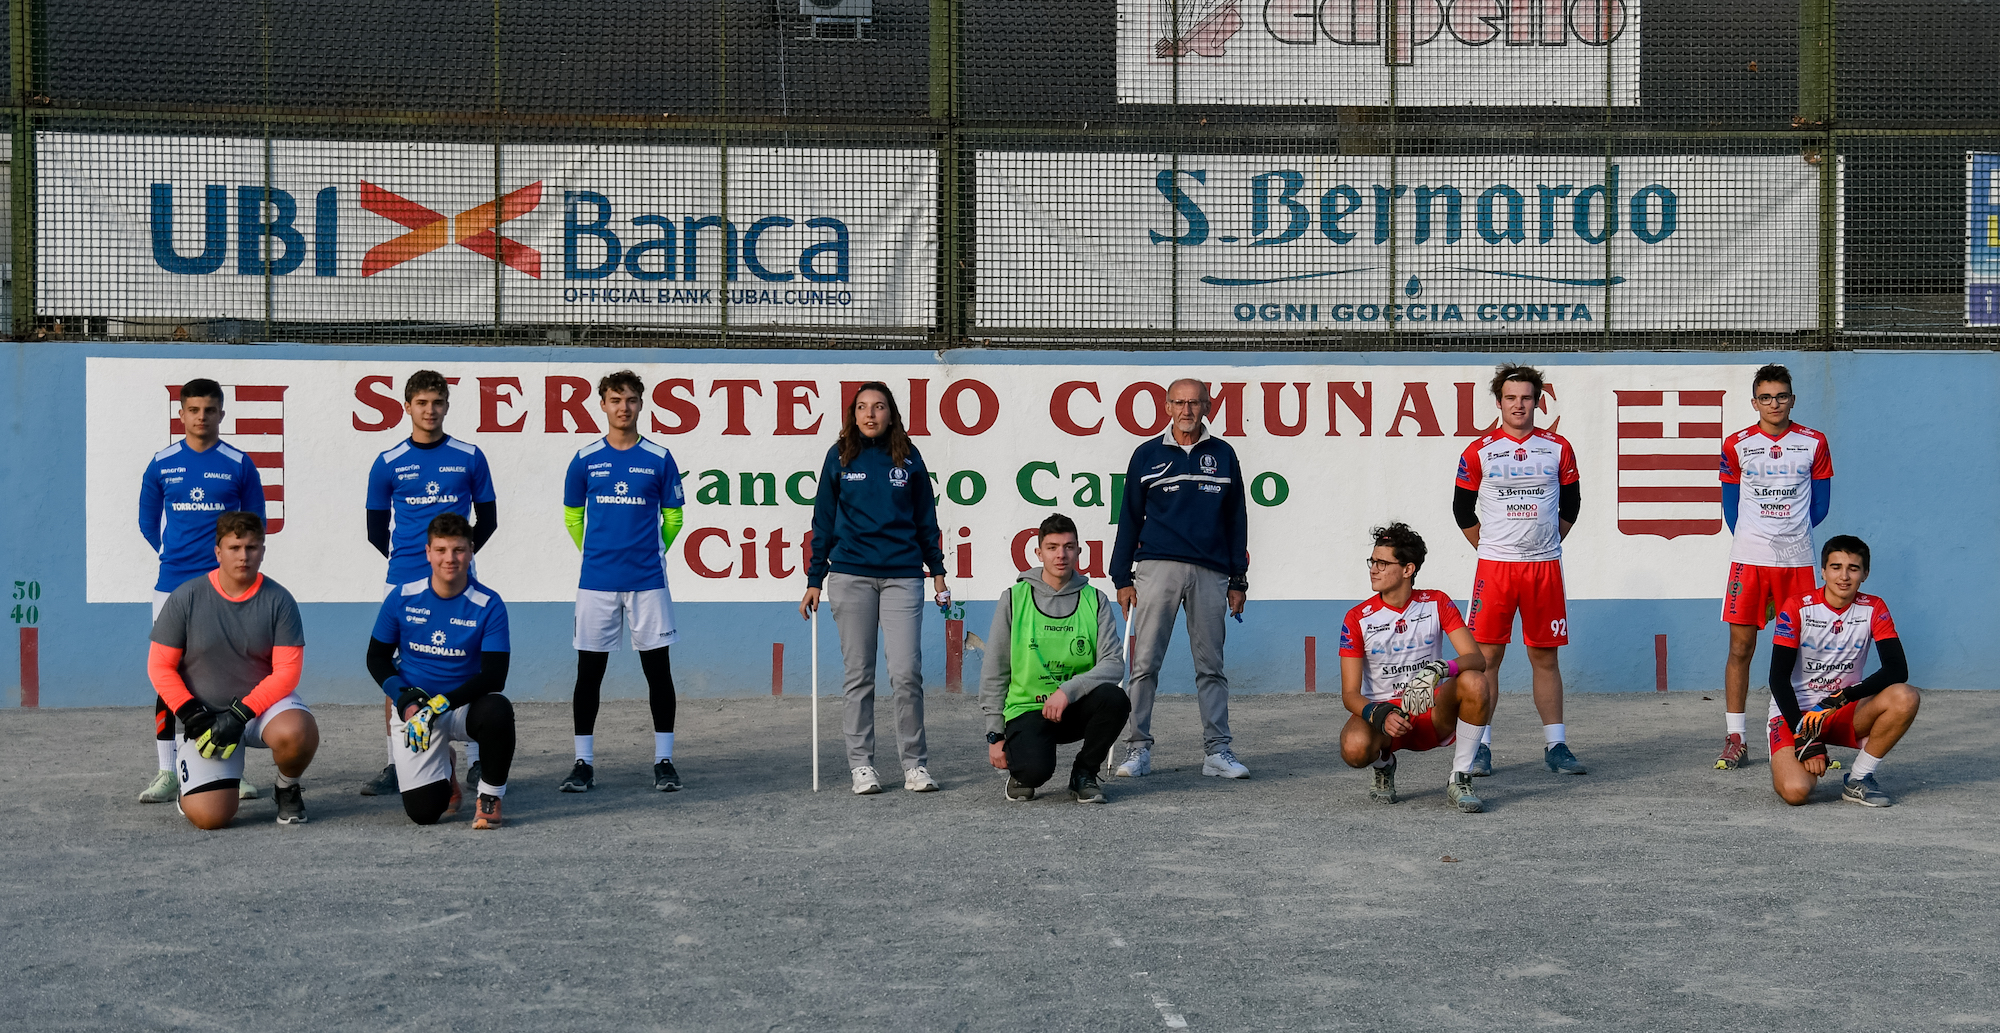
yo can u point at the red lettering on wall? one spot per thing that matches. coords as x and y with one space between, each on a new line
793 396
1129 419
982 419
1548 394
1059 408
917 422
1019 550
1227 404
1092 564
692 552
1468 423
490 401
562 401
734 392
1361 403
1274 420
749 549
368 392
687 415
1416 405
774 554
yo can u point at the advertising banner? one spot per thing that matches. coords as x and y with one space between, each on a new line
1328 452
1982 239
361 231
1455 53
1328 242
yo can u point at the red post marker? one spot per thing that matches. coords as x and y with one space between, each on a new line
31 667
1312 664
954 656
777 668
1659 663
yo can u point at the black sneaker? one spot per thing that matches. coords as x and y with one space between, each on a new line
383 784
1384 788
472 773
291 804
580 778
665 778
1084 788
1017 792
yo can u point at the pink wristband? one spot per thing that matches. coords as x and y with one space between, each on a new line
1451 666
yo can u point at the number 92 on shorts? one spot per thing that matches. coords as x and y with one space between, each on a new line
1535 589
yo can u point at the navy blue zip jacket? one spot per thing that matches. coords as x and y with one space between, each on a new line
872 518
1183 504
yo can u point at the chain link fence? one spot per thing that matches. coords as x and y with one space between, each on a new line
1224 174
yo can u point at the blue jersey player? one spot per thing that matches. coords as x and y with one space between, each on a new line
187 487
426 476
440 653
622 502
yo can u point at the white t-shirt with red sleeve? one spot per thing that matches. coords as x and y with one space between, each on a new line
1393 642
1774 502
1519 482
1833 644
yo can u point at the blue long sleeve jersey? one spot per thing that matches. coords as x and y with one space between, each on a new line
1183 503
1822 501
874 518
182 495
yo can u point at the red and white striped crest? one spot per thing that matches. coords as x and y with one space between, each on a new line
253 420
1669 451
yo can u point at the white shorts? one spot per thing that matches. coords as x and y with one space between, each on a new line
200 773
599 616
416 770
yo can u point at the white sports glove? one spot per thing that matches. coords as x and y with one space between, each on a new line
1420 692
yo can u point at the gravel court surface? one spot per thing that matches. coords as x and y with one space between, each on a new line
1652 893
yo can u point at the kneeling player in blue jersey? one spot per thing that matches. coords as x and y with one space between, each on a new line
1400 690
1818 696
440 652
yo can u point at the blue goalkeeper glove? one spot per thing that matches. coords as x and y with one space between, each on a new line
421 728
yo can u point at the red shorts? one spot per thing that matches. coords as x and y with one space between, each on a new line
1754 592
1423 734
1500 587
1839 729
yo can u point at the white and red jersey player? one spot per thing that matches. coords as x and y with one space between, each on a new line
1832 646
1393 643
1770 480
1519 483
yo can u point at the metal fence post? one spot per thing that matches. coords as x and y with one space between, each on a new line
24 20
954 222
1816 109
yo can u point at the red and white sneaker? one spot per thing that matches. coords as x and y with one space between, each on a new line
1733 752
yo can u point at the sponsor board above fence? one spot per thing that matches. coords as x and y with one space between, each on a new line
1328 450
1326 242
1982 239
214 227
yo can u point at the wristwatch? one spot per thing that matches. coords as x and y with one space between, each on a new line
1238 584
993 737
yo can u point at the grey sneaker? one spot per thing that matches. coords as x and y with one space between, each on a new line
383 784
1482 761
291 805
866 781
165 786
1864 791
1084 789
247 790
1384 789
1138 763
918 780
1018 793
1561 761
1459 792
1223 764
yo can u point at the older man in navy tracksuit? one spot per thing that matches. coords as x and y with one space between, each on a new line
1182 543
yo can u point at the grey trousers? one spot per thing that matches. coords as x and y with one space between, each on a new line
1166 587
893 606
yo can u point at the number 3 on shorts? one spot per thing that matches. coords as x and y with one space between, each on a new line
1559 627
184 770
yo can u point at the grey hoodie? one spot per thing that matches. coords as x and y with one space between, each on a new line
997 668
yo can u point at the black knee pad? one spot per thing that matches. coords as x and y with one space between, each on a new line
426 804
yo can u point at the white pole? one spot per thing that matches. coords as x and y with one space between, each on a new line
815 696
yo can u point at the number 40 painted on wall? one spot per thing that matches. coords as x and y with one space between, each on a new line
25 594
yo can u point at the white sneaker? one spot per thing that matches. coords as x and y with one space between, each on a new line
1138 763
919 780
1223 763
865 781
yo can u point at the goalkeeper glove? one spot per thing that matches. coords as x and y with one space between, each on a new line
1420 692
195 718
422 728
1377 714
225 731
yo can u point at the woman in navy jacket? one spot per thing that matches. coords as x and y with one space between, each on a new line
875 531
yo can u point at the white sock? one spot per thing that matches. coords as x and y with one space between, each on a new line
1383 760
491 790
1468 744
1553 734
1486 735
663 746
584 752
391 740
167 754
1865 764
286 781
1735 722
472 753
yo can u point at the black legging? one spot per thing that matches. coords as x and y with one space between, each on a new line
1096 719
489 721
659 673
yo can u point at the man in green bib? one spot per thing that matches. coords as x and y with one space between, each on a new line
1051 672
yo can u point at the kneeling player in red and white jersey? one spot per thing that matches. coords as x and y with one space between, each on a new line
1516 497
1399 690
1777 483
1818 696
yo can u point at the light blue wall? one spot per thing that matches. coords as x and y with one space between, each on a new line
1917 449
